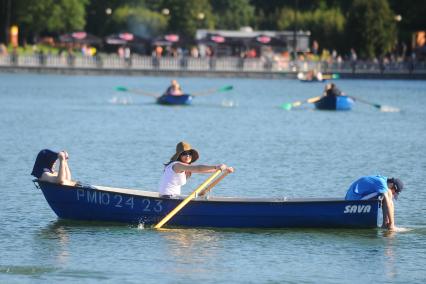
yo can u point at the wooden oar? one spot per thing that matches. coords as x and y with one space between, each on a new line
289 106
136 91
207 189
186 200
212 91
381 107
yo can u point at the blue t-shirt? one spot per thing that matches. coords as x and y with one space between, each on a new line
365 186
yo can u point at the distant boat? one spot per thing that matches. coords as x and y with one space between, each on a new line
335 103
175 100
315 80
100 203
310 77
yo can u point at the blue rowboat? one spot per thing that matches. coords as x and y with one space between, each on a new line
100 203
335 103
175 100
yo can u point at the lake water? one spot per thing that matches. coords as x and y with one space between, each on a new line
120 139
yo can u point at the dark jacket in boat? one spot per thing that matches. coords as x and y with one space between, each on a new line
333 92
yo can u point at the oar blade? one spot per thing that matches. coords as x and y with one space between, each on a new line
225 88
121 88
385 108
287 106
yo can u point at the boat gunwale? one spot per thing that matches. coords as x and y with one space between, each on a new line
151 194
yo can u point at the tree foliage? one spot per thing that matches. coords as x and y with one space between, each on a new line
371 27
51 15
187 16
327 25
139 20
233 14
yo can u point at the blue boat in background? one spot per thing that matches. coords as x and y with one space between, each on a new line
335 103
175 100
100 203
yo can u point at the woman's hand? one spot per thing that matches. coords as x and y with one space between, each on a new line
230 169
221 167
224 167
63 155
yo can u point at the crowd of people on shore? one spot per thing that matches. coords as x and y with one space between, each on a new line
265 53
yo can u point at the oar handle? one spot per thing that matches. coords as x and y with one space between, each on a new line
135 91
288 106
314 99
213 184
366 102
186 200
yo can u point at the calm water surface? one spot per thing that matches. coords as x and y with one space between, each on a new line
119 139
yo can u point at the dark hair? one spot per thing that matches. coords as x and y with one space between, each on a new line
178 160
45 160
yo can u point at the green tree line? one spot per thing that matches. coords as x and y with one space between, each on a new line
372 27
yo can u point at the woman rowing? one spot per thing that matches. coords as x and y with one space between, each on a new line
179 169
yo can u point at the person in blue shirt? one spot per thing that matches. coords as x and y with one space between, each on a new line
369 187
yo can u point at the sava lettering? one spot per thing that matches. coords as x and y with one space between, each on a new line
118 200
352 209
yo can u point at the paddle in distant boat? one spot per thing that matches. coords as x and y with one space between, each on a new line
383 108
167 99
289 106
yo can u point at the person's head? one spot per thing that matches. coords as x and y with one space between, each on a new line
396 186
45 160
176 87
185 153
174 83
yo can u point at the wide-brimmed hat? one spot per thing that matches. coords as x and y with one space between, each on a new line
183 147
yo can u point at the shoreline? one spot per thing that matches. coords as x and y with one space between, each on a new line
200 73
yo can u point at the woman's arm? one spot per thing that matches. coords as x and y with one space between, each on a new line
180 167
64 174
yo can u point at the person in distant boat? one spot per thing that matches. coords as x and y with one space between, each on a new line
178 170
331 90
369 187
174 89
309 76
44 167
312 75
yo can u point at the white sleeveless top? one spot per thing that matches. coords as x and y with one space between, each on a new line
171 182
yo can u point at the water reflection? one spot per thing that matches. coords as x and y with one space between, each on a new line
390 242
57 235
189 247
